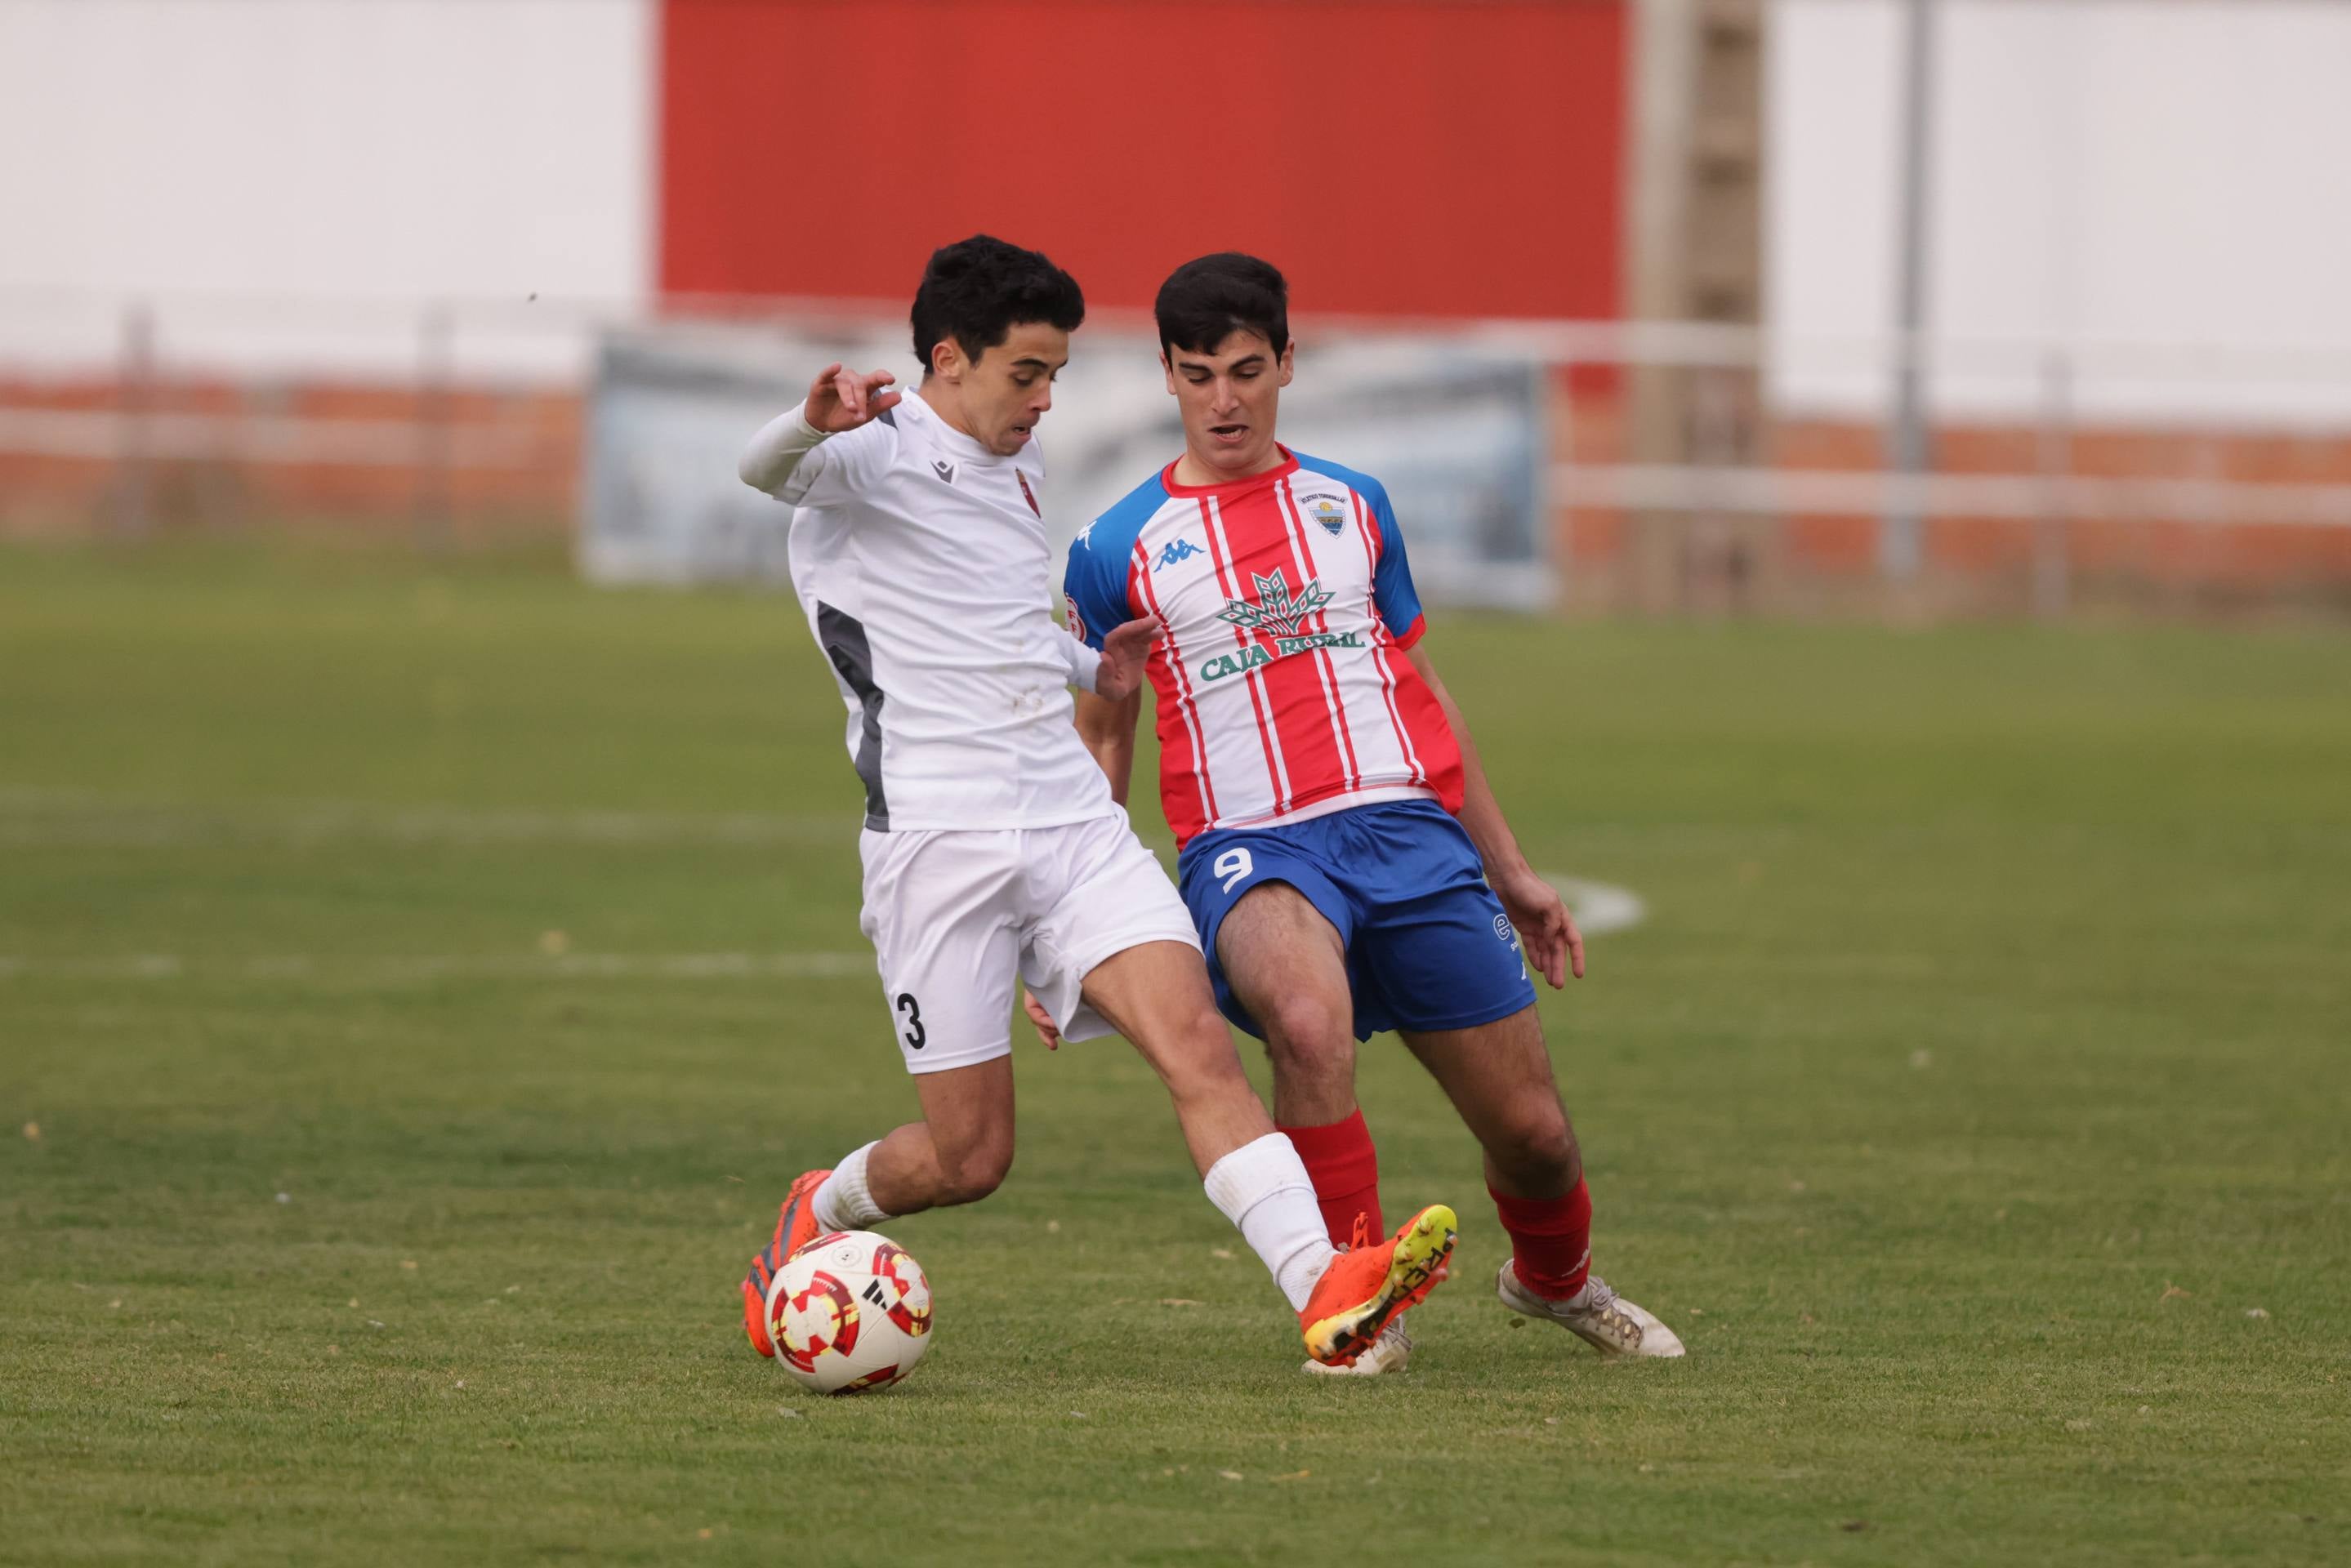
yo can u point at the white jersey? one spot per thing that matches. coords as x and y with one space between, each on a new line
921 559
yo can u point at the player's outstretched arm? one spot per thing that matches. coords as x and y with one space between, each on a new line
1534 905
839 401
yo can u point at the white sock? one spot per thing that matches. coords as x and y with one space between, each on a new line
1263 1189
844 1202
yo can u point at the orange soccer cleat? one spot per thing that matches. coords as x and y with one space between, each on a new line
1365 1286
796 1227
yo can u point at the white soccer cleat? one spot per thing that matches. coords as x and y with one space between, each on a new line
1391 1351
1595 1314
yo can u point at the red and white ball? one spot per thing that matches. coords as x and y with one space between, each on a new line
849 1312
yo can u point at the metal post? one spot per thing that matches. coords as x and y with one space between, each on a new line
1562 539
1900 539
1663 59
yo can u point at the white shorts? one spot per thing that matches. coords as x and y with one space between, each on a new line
955 914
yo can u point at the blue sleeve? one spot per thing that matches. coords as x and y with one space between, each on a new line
1392 593
1094 589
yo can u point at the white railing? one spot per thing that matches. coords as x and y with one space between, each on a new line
2203 396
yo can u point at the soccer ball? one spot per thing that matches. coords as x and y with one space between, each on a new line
849 1312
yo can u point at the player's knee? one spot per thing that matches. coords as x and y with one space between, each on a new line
1203 1059
1309 1035
1537 1147
969 1174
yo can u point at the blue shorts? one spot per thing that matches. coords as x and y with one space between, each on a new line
1429 946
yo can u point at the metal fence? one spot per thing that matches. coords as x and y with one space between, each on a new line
1692 467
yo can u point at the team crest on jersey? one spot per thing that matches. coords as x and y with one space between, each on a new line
1279 615
1330 514
1027 494
1077 622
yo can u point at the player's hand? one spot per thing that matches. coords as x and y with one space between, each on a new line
1042 1019
1124 650
1554 944
841 400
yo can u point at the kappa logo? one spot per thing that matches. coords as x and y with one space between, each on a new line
946 471
1279 615
1178 553
1330 514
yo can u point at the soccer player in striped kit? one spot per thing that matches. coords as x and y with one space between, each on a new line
1344 861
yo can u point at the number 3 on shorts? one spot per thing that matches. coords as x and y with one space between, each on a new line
1232 866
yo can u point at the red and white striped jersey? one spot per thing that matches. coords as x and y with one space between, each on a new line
1281 680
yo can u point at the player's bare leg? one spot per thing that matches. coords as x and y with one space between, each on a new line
1158 995
1498 1077
1285 964
1287 969
958 1153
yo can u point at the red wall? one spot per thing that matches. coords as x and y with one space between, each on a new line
1429 157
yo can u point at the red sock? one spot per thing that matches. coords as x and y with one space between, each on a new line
1551 1238
1344 1167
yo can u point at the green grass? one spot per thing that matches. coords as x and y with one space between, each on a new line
1981 1065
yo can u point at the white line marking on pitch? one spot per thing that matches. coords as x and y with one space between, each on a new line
1599 908
35 818
437 965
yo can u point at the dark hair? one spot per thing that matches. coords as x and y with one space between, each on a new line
1203 302
977 290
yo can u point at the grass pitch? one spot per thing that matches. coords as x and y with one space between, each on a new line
417 987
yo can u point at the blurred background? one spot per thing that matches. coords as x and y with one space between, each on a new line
1705 306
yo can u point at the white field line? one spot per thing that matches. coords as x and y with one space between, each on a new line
1599 908
32 819
59 817
441 966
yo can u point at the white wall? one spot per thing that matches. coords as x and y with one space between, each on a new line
2138 172
284 151
2106 173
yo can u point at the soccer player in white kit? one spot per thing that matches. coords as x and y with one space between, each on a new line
992 848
